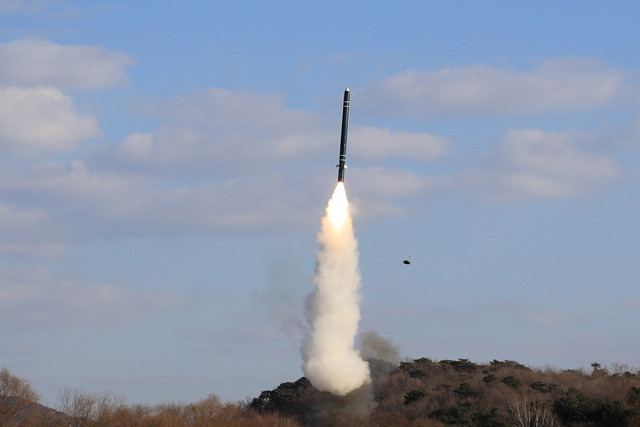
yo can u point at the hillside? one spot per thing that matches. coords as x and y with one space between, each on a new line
32 413
507 393
421 392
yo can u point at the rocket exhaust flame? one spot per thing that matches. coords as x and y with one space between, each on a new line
338 209
331 361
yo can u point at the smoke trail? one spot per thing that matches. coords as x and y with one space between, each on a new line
331 361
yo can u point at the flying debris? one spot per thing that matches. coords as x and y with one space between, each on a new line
343 135
407 261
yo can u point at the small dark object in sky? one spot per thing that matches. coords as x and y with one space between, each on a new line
407 261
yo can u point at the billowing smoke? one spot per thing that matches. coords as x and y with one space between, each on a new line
380 352
373 346
331 361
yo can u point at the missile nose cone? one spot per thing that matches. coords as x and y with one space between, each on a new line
346 90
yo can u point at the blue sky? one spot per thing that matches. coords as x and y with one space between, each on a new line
164 167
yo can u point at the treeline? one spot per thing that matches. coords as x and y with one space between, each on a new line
19 407
506 393
459 392
419 393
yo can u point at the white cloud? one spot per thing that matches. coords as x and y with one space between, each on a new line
75 182
72 202
380 192
250 158
136 146
45 207
41 119
274 196
554 153
532 163
390 182
216 131
222 161
239 156
549 164
555 85
37 297
370 144
37 62
28 231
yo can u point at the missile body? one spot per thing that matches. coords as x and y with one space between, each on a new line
343 136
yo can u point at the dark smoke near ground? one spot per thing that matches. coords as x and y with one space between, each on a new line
332 410
373 346
379 352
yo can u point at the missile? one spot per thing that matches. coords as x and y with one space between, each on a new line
343 136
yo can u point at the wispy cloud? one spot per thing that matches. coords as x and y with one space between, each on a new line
386 192
37 298
28 231
221 161
551 164
35 62
213 131
532 163
371 144
554 85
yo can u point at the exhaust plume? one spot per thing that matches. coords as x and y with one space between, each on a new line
331 361
373 346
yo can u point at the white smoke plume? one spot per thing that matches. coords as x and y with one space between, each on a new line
331 361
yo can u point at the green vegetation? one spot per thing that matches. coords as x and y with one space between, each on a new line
421 392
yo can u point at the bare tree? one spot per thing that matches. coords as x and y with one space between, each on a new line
16 396
81 408
109 408
532 413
